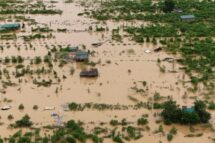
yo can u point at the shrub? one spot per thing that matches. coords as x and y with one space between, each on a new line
21 107
211 106
24 122
10 117
73 106
114 122
173 131
35 107
142 121
169 137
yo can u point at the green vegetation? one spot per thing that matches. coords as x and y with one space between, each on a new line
41 29
171 134
169 6
123 122
73 132
35 107
21 107
169 137
172 113
142 121
211 106
23 122
163 24
45 83
10 117
198 56
18 7
99 106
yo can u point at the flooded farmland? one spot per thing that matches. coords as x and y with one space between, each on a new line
40 78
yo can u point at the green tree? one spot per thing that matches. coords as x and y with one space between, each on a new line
1 140
45 139
169 5
24 122
171 113
190 117
200 108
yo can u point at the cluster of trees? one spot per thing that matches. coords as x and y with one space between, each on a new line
145 10
205 50
172 113
13 59
45 83
16 7
73 106
73 132
24 122
151 31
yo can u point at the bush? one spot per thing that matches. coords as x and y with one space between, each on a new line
10 117
169 137
173 131
72 125
21 107
142 121
35 107
117 139
45 140
73 106
131 131
114 122
24 122
211 106
70 139
158 105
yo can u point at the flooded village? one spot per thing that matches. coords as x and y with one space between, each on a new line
103 71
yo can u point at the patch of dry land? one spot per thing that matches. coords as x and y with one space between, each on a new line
107 71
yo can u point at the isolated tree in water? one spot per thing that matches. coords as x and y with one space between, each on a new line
169 5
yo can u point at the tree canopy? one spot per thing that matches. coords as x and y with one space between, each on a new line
172 113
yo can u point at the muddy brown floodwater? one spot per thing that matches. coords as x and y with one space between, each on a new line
113 86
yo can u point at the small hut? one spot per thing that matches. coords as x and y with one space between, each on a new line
89 73
81 56
188 17
10 26
73 49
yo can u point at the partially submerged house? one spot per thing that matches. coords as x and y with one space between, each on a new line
68 53
81 56
188 109
73 49
89 73
10 26
188 17
72 52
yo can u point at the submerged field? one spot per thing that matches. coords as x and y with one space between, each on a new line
146 57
